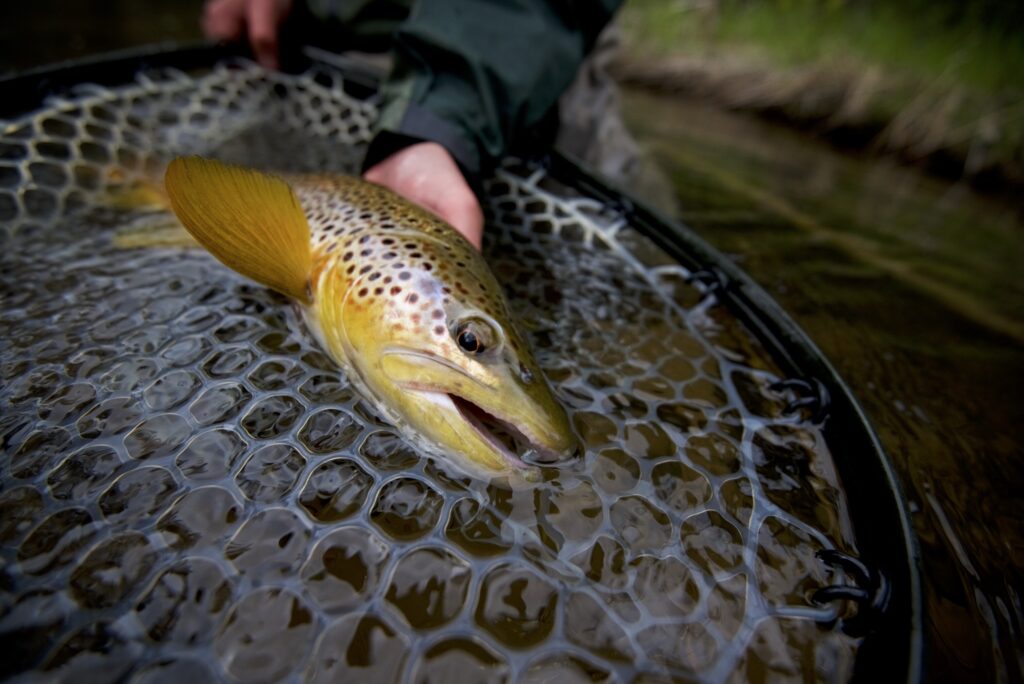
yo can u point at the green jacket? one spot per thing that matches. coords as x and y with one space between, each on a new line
480 77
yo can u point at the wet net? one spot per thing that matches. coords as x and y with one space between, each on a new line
191 489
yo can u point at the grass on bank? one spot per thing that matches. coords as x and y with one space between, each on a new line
921 41
934 75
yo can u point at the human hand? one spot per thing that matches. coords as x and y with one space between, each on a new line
257 20
426 174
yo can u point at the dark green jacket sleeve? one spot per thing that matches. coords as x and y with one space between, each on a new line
482 77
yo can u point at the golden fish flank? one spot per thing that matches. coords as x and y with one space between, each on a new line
397 297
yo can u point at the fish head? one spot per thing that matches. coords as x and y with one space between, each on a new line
433 340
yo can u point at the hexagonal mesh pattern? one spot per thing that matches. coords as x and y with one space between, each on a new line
191 488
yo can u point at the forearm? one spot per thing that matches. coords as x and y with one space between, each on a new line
482 78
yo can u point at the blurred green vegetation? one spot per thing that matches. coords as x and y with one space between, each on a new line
934 77
977 44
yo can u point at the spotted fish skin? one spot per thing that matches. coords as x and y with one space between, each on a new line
398 298
399 260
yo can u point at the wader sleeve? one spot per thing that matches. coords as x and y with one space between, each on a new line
482 77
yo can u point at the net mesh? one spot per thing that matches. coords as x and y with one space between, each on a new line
192 489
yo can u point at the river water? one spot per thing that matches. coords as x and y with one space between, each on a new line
910 286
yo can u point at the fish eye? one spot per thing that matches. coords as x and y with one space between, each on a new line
474 337
470 342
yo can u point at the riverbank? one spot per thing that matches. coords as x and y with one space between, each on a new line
939 91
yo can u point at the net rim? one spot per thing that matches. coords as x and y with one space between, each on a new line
895 642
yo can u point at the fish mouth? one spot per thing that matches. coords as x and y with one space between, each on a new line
481 408
507 439
514 444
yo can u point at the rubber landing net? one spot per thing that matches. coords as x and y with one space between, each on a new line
191 488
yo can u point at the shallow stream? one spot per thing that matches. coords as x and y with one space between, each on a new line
912 288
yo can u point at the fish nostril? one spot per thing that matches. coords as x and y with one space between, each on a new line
525 374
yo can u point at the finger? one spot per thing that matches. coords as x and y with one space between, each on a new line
262 17
465 215
223 19
377 174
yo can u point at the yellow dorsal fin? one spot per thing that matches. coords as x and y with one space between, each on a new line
249 220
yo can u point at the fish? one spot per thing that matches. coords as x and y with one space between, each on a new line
398 298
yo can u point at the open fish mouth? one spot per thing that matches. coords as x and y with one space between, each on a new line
512 443
494 421
505 437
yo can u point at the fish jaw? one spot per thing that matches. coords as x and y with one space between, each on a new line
490 419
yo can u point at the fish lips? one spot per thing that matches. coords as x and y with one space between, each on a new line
534 441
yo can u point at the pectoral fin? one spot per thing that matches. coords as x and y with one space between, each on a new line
251 221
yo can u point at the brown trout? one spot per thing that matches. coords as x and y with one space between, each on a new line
397 297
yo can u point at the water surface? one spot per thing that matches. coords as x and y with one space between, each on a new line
912 288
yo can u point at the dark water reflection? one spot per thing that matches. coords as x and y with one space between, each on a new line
911 287
45 31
